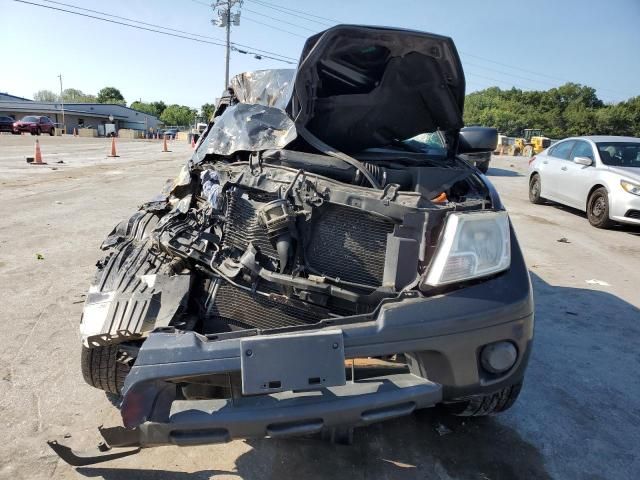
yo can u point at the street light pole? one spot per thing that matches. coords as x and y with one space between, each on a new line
226 67
225 18
62 103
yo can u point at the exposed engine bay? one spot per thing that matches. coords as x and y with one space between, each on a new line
269 227
268 243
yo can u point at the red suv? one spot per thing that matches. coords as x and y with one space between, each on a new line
34 125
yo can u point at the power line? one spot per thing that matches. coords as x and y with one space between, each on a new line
287 10
271 5
274 27
543 82
260 23
290 12
165 28
533 72
149 29
279 20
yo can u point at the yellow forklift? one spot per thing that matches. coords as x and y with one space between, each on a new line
532 143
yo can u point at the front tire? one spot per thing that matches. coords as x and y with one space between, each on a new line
483 405
52 132
535 187
598 209
101 369
483 167
38 131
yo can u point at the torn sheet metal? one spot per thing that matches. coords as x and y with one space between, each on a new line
247 127
271 88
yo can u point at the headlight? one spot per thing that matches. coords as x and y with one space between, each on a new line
473 245
630 187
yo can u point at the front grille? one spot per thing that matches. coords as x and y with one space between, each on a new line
349 244
635 214
235 309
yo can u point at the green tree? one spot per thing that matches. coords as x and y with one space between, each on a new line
111 95
207 111
570 109
45 96
144 107
160 107
178 115
73 95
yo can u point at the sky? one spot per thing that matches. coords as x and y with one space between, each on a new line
529 45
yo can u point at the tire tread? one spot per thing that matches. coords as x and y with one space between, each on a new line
484 405
101 369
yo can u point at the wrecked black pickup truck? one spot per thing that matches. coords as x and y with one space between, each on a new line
316 266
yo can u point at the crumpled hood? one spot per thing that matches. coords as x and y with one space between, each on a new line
355 88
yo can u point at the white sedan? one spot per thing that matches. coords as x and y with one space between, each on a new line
599 175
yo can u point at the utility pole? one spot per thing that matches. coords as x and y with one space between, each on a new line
62 103
226 17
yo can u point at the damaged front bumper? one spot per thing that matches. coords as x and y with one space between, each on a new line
447 331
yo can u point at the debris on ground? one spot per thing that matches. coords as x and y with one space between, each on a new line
571 313
442 429
563 240
39 256
602 283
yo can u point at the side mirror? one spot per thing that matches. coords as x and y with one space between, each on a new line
586 161
477 140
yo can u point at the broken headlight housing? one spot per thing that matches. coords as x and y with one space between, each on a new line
472 245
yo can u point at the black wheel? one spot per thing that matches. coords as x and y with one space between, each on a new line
38 131
52 132
482 405
100 368
598 209
535 189
483 167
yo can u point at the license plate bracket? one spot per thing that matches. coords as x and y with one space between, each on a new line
298 361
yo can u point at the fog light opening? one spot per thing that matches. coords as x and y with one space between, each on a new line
498 357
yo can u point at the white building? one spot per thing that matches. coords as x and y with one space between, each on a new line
78 115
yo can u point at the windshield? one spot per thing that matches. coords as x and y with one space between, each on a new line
431 142
620 154
30 119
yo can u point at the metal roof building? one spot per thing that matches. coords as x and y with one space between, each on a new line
78 115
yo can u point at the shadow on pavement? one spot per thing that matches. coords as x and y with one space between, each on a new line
146 474
619 227
410 447
501 172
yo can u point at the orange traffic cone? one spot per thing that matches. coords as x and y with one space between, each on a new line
37 157
113 148
164 144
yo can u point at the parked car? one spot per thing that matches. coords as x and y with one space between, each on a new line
6 124
599 175
170 133
35 125
307 272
